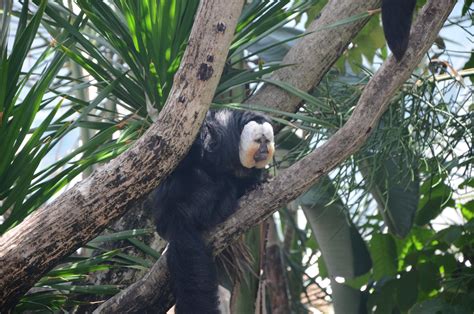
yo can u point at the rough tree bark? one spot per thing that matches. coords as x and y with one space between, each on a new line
267 198
59 228
276 282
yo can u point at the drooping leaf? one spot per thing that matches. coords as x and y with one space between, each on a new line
395 186
343 249
429 275
435 196
437 305
384 256
407 290
384 298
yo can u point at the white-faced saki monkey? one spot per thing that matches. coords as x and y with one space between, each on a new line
226 159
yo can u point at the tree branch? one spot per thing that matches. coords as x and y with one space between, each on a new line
77 216
269 197
314 54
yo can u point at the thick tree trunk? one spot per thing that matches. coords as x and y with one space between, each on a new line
277 284
260 203
60 227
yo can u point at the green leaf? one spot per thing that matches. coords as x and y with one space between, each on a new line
436 195
145 248
344 251
359 281
384 300
395 186
88 289
438 306
76 274
242 77
271 111
149 37
341 245
430 276
466 6
23 41
449 235
121 235
384 256
42 301
467 183
447 264
323 269
467 210
299 93
407 290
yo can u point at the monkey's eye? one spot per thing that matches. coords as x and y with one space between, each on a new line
261 140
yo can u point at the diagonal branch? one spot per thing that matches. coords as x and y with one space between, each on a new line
77 216
314 54
269 197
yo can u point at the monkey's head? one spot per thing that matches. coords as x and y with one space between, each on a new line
236 141
256 146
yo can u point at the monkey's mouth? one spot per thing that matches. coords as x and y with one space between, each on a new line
260 157
262 160
256 156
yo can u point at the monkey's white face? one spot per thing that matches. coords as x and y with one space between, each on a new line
256 145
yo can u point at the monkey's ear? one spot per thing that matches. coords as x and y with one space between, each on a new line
245 118
212 137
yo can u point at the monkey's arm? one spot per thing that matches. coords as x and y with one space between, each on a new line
193 198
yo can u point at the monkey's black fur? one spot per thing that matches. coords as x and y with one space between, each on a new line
201 192
396 20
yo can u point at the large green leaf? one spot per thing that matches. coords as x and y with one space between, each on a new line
343 249
438 306
430 277
384 298
435 196
394 183
407 292
384 256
